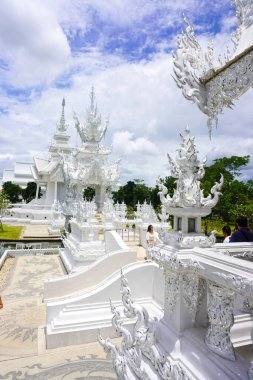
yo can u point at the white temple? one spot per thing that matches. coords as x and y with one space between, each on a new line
47 174
88 166
68 171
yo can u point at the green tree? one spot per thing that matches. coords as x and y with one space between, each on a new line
89 193
234 192
133 192
229 167
13 191
29 192
4 205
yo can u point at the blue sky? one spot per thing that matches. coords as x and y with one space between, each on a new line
50 49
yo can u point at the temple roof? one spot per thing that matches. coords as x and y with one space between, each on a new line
23 168
20 175
45 166
40 163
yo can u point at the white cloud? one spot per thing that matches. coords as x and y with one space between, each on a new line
124 143
32 42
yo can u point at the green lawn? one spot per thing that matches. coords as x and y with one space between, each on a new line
10 232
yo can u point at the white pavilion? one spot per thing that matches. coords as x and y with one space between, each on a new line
67 170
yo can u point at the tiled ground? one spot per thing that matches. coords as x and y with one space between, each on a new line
22 340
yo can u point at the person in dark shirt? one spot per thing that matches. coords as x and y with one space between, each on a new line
242 233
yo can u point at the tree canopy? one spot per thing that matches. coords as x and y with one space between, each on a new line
237 196
4 205
29 192
13 191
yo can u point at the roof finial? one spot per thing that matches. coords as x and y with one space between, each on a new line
93 129
62 127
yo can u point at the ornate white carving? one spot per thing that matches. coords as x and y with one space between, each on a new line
62 126
146 212
188 170
220 314
92 130
195 241
171 289
191 293
58 219
228 85
238 283
129 362
213 88
247 255
247 305
164 215
88 166
120 211
177 272
96 171
108 211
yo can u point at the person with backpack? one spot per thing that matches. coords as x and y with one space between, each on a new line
242 232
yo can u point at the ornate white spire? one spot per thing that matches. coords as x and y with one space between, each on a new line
62 126
92 130
188 170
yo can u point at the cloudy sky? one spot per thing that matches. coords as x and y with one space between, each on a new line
50 49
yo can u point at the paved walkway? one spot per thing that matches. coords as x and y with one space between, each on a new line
36 231
23 353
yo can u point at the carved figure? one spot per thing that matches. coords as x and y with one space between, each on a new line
188 171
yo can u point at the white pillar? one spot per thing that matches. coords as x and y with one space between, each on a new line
198 225
55 191
37 191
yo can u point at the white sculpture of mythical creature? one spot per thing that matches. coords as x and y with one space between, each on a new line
212 201
163 193
189 67
138 346
212 237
